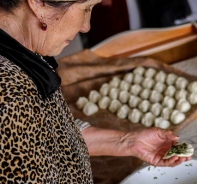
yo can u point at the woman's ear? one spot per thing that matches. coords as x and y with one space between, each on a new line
37 7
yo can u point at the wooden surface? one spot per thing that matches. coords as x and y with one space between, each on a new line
81 76
151 42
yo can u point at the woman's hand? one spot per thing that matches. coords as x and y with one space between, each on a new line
149 145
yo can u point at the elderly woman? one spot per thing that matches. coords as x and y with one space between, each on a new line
41 142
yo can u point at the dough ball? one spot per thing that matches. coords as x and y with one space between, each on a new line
128 77
150 72
162 123
124 85
123 111
124 96
115 82
156 109
171 78
160 87
170 91
166 113
155 96
114 93
104 90
148 83
139 70
94 96
148 119
135 89
135 115
177 117
104 102
138 79
192 98
81 102
160 76
144 106
181 83
115 105
192 87
169 102
183 106
145 93
181 94
134 101
90 108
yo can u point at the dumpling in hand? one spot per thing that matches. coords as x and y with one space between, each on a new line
135 115
180 150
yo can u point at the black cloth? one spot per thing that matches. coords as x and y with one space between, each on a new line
162 13
46 80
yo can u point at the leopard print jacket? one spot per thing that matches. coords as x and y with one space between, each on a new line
40 143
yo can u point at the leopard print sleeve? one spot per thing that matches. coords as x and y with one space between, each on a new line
18 141
39 142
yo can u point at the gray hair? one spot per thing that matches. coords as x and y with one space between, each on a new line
12 4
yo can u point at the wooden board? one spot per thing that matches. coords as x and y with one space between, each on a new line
84 77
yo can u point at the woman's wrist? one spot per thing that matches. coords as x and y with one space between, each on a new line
103 142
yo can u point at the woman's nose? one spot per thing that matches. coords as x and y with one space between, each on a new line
86 25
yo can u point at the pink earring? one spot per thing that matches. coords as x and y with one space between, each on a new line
43 25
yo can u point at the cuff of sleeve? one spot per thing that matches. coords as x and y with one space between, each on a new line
81 124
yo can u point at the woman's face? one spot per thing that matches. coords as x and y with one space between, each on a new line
61 29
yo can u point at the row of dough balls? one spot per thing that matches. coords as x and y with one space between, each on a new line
151 75
145 96
146 113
